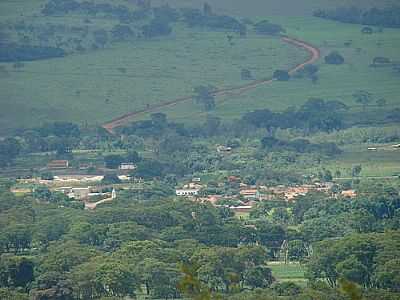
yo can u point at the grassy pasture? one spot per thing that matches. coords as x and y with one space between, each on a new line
98 86
335 82
288 272
381 163
101 85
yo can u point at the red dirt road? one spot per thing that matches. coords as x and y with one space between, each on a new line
126 118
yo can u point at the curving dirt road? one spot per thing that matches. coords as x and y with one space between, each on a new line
126 118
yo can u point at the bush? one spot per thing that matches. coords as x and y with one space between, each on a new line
110 179
281 75
157 27
334 58
47 176
12 53
265 27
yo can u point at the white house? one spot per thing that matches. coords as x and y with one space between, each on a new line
187 192
127 166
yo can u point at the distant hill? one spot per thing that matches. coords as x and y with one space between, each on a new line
260 8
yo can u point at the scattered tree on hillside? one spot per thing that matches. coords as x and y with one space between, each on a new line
205 96
245 74
381 102
281 75
334 58
110 178
265 27
367 30
363 98
356 171
157 27
100 37
207 9
122 32
113 161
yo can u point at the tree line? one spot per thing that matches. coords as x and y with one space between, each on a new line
384 17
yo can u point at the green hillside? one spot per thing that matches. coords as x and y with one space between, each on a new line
261 8
97 85
102 83
335 82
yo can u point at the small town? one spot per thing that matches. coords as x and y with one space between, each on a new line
241 197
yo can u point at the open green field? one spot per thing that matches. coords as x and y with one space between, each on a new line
100 85
92 86
381 163
335 82
288 272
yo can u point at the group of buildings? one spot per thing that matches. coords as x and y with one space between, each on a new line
248 195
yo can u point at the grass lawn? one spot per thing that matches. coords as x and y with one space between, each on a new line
288 272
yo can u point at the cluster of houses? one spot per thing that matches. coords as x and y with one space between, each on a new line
248 195
85 193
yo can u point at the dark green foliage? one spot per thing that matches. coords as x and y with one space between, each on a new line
65 7
157 27
334 58
281 75
245 74
356 258
265 27
286 289
12 53
363 97
113 161
100 37
60 129
47 176
166 13
122 32
314 115
394 115
15 271
300 145
9 150
204 96
309 71
196 18
110 179
149 169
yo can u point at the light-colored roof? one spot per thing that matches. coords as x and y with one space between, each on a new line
248 192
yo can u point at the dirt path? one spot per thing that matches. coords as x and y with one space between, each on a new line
126 118
93 205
